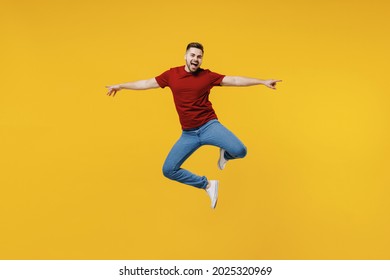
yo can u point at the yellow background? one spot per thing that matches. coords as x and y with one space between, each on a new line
81 172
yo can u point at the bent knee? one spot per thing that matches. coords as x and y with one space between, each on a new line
239 152
236 152
242 152
168 171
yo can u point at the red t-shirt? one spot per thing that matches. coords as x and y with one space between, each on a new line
191 94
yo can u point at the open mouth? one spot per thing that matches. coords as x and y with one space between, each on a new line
195 64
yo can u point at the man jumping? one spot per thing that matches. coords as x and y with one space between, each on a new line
190 86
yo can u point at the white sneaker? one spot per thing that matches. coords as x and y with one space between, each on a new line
222 161
212 191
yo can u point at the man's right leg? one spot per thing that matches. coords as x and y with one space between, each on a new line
183 148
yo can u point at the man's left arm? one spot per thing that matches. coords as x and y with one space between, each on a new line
239 81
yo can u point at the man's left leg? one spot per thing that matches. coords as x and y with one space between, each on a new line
230 146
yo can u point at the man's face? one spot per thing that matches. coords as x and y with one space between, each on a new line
193 59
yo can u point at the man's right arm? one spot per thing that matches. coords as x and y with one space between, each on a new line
136 85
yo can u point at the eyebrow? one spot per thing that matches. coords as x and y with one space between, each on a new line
194 54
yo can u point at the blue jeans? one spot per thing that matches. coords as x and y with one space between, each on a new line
212 133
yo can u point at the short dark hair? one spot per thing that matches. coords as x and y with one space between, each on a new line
195 45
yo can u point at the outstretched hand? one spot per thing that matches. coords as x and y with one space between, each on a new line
271 83
112 90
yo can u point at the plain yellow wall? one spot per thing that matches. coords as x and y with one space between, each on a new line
81 172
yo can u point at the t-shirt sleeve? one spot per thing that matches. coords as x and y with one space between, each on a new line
216 79
163 79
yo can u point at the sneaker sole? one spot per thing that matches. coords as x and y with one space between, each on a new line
221 155
216 191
